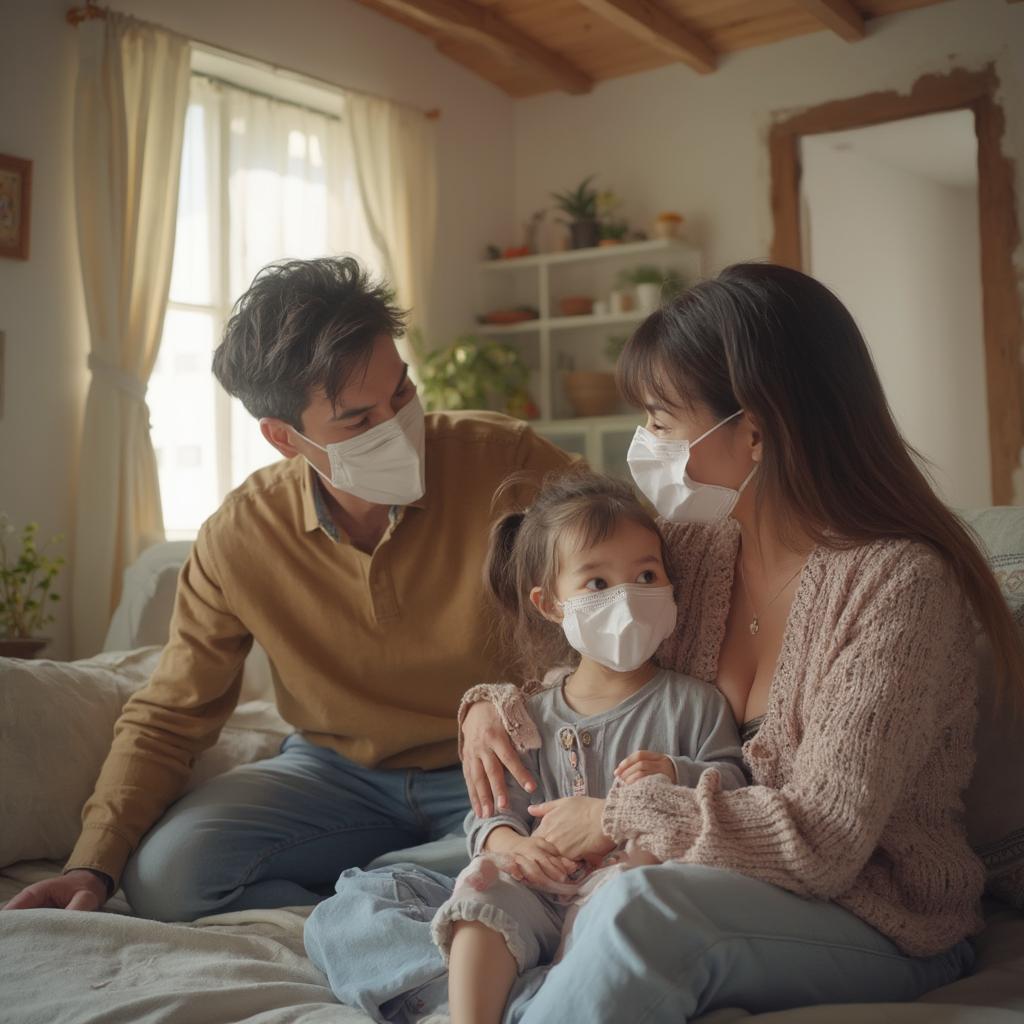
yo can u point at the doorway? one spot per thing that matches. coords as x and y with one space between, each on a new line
889 219
947 410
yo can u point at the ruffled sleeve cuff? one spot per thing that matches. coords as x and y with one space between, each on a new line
510 704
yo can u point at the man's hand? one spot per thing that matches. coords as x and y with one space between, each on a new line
79 889
643 763
486 752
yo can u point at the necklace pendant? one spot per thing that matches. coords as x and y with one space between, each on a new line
755 627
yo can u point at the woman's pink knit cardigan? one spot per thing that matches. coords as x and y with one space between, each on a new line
865 750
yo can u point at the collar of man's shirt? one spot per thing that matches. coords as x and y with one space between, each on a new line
316 514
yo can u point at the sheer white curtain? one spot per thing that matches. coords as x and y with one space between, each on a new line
130 101
395 152
262 180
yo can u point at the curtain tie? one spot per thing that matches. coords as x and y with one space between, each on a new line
117 378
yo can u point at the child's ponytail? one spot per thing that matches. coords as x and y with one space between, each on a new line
499 571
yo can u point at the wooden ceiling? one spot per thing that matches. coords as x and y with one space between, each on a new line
526 47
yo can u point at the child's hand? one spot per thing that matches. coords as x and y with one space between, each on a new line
536 862
643 763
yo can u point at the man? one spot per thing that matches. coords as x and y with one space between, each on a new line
356 563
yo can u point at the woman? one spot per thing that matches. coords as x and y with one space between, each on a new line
831 597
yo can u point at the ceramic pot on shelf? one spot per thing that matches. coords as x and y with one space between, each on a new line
575 305
621 300
585 234
648 297
591 392
22 647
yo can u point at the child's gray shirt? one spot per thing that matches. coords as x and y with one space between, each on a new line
672 714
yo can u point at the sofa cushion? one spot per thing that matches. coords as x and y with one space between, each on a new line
56 724
995 798
143 616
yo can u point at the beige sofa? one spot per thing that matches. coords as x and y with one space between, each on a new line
55 725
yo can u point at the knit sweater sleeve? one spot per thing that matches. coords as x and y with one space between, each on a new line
866 727
510 703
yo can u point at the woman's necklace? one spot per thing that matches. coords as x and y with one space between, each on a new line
755 625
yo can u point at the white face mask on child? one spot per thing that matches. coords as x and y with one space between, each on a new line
621 627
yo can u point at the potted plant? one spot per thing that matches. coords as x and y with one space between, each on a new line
591 392
580 206
613 346
27 573
612 232
474 373
611 229
652 284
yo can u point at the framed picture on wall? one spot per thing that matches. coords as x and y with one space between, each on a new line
15 202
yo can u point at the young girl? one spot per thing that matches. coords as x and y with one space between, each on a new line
580 580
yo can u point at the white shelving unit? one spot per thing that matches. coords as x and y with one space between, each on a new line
553 343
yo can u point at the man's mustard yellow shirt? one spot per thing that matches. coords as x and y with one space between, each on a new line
371 653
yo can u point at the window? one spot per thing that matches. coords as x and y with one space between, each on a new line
265 176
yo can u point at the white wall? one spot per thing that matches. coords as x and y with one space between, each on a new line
902 252
673 139
41 305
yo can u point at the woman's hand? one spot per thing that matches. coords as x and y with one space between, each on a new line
573 826
642 763
486 752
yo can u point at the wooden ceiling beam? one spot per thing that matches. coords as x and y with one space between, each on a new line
650 24
464 20
839 15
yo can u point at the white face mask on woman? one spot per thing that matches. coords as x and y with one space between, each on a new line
621 627
659 469
383 465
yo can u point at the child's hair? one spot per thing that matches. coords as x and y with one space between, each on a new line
575 506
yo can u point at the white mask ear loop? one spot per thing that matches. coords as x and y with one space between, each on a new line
750 476
722 423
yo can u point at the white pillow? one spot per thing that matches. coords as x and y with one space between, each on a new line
56 725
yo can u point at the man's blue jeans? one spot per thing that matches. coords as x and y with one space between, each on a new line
279 832
656 945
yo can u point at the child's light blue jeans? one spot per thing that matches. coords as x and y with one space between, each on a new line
665 943
277 832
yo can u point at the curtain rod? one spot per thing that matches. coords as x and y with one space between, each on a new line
264 95
76 15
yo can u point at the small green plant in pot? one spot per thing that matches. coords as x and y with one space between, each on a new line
613 346
653 285
612 229
612 232
27 575
474 373
580 206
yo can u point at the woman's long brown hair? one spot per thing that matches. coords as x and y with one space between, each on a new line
779 345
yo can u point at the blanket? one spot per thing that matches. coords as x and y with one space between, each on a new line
62 967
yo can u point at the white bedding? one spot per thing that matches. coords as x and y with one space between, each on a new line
60 967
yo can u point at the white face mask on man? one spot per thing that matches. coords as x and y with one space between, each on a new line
383 465
659 468
620 627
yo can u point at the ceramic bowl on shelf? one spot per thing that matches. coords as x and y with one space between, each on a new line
576 305
507 316
591 392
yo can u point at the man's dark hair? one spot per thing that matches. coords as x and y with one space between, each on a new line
303 326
